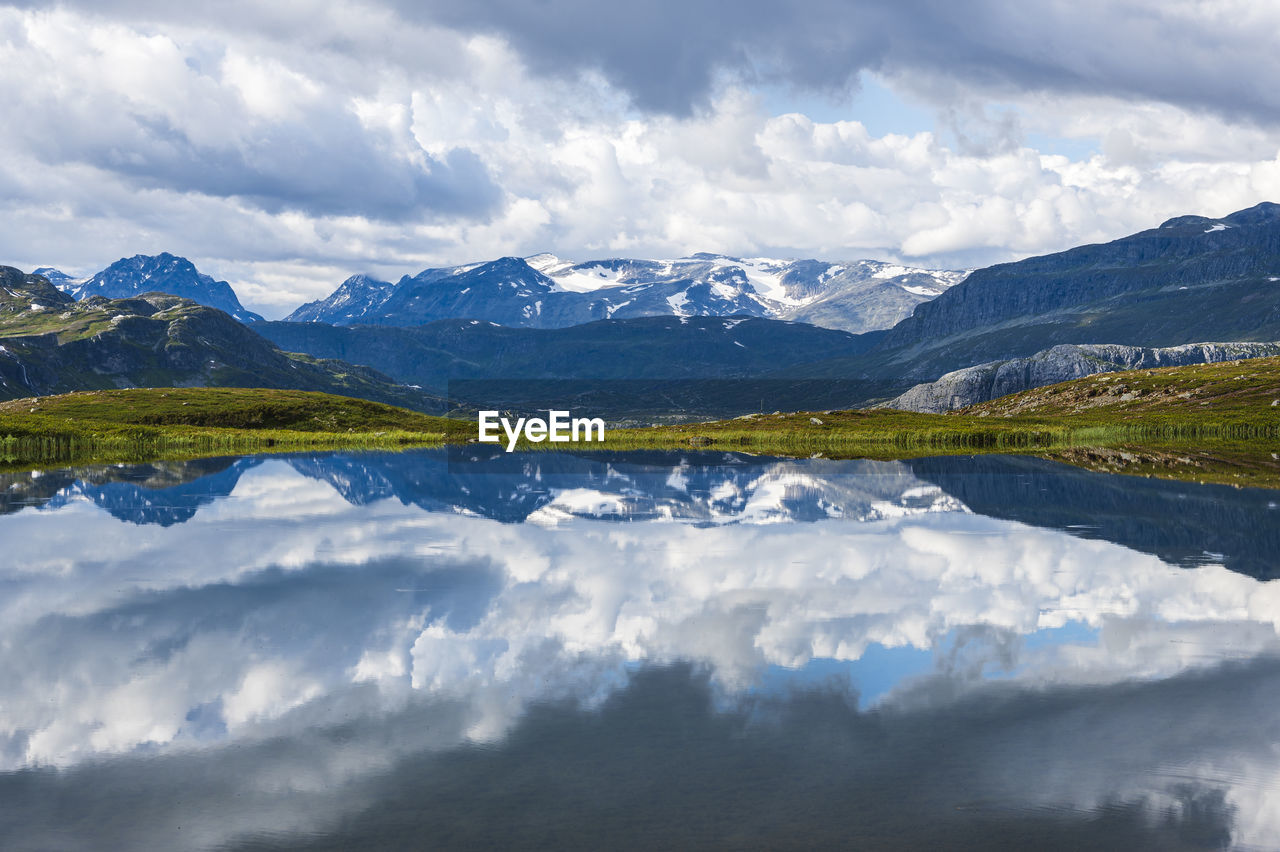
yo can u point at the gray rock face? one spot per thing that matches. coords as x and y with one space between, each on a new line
1062 363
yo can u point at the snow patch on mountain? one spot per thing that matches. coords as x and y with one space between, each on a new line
548 291
162 273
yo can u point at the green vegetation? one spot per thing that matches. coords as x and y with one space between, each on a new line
1239 463
51 344
1211 422
149 423
1231 394
874 433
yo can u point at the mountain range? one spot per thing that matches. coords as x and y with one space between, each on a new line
544 291
1192 279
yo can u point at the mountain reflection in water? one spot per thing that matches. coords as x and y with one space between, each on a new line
642 650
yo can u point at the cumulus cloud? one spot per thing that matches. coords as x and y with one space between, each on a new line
149 111
668 54
312 140
182 636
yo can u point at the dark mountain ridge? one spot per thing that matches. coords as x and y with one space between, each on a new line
1191 279
618 369
50 343
647 347
161 273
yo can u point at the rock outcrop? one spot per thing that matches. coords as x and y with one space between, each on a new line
1062 363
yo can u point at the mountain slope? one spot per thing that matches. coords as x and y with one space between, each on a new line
634 370
1059 364
645 348
49 343
1189 280
544 291
161 273
1243 389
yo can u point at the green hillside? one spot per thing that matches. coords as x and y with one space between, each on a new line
1217 422
148 423
51 344
1246 392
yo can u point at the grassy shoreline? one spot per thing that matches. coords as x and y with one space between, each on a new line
1220 421
184 423
27 452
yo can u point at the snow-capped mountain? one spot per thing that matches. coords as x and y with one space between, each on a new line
58 278
545 291
358 296
161 273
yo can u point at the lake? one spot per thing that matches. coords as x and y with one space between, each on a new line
457 649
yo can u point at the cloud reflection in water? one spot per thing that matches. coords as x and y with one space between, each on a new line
312 648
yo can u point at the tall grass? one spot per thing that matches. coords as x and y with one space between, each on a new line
17 451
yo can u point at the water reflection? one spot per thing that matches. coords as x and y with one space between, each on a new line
1183 523
321 651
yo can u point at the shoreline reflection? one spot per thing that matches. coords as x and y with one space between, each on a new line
336 637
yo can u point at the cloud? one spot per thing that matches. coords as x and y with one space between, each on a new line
667 54
144 109
671 56
322 647
659 764
139 628
309 141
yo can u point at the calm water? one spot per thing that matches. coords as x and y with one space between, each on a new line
635 651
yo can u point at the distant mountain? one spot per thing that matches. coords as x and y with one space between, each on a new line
57 277
544 291
619 369
1191 279
648 348
359 296
27 294
161 273
1062 363
50 343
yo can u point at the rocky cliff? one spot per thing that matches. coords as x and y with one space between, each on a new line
1062 363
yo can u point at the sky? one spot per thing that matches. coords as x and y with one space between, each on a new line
286 146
